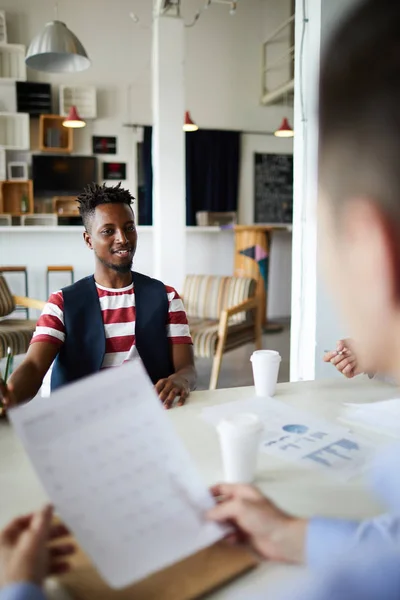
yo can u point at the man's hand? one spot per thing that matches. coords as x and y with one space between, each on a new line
24 554
273 533
173 386
344 359
7 396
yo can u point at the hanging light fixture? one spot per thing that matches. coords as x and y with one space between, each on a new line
74 120
285 130
57 50
188 124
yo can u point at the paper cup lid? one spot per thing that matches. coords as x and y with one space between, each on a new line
241 423
270 354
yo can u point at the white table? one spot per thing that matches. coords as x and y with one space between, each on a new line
301 493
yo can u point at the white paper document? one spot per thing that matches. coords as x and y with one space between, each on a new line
298 436
106 453
382 417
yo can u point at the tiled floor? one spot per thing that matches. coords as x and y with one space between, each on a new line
236 366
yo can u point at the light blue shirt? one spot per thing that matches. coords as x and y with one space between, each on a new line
357 561
22 591
328 539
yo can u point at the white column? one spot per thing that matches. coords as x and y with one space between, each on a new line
169 205
314 325
303 322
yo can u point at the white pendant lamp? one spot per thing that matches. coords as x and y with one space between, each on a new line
57 50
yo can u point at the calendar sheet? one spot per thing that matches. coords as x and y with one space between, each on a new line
107 454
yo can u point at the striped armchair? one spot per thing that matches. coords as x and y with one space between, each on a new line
15 333
224 313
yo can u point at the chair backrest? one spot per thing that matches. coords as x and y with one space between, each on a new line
7 304
205 296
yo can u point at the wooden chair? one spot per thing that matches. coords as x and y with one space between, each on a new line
15 333
224 313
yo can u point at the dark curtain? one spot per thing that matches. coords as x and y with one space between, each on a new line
212 172
146 202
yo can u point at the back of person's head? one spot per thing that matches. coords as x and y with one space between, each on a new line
95 195
359 179
359 121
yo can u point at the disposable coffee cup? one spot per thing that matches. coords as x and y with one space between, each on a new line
265 365
240 437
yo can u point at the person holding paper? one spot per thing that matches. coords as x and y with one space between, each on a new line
108 318
26 559
359 213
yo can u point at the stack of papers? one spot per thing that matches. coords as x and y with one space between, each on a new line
382 417
108 456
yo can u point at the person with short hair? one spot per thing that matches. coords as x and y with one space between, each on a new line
359 213
110 317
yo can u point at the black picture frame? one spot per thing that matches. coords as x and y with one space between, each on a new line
114 171
104 144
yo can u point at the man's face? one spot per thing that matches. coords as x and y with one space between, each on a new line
113 236
355 253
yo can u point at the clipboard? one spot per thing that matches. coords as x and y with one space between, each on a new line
188 579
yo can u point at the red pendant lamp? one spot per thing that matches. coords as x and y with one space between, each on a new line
189 124
285 130
74 120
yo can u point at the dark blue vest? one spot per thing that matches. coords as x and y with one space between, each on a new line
83 350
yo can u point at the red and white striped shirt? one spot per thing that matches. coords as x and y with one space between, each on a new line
119 317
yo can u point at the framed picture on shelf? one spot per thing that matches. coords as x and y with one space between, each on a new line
114 171
17 171
104 145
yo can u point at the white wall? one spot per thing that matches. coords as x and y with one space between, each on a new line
222 64
222 77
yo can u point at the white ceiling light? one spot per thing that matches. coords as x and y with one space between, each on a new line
57 50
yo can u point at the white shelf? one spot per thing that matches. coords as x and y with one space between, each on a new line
12 62
14 131
3 27
3 170
83 97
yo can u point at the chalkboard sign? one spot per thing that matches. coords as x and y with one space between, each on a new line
273 188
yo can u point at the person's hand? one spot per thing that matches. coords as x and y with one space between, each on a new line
344 359
274 534
170 388
7 396
24 552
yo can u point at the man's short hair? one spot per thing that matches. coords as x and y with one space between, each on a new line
94 195
359 104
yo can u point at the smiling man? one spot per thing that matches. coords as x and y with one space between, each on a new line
109 317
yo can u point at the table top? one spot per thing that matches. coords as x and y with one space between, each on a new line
300 492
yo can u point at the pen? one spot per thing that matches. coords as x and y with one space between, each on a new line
8 364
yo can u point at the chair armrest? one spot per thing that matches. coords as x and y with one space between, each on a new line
250 304
29 302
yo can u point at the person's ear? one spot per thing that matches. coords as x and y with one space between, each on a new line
374 248
88 239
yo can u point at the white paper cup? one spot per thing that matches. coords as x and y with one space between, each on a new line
265 365
240 437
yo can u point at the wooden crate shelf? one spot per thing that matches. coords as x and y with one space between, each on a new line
53 136
83 97
12 194
14 131
65 206
12 62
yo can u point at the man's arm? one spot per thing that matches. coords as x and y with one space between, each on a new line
26 380
183 380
